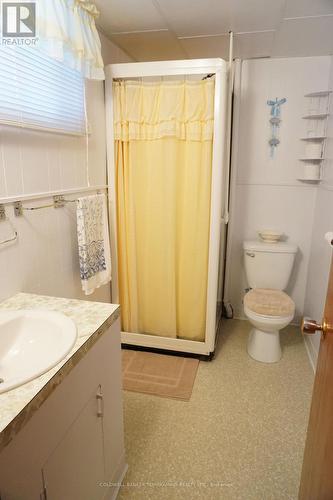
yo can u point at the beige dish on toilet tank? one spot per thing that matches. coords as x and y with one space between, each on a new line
268 265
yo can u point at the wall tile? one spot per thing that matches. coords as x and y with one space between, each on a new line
3 190
268 79
321 252
34 162
45 258
286 209
11 153
53 162
267 192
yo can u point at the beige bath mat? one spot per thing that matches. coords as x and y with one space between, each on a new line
159 374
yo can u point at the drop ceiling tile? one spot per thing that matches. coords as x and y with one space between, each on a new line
151 46
246 46
256 44
255 15
208 17
196 17
128 15
304 37
301 8
202 47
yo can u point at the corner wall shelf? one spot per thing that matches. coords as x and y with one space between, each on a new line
309 181
320 93
315 116
314 158
318 111
314 138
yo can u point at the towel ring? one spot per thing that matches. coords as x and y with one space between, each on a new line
13 238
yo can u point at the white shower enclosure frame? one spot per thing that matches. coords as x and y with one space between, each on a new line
182 68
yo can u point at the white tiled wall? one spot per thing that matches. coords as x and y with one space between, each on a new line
267 193
45 260
33 162
321 253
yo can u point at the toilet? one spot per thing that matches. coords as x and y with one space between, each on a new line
268 268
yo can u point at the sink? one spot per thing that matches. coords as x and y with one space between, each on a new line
31 343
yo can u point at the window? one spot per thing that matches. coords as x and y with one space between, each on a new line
39 92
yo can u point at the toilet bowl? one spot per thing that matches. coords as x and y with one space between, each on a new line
268 268
264 338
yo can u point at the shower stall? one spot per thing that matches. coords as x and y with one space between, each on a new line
167 127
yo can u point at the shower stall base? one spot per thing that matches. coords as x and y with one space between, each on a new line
201 357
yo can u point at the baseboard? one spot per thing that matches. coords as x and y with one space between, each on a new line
311 351
113 486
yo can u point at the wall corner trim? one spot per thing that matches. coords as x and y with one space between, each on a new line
311 352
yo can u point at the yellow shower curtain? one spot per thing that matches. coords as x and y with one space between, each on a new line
163 158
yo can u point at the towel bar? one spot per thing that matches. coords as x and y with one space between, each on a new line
58 202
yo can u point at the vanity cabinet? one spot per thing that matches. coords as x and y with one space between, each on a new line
82 444
72 447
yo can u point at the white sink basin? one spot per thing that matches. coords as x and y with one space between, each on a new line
32 342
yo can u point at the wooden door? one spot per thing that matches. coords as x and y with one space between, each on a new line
317 472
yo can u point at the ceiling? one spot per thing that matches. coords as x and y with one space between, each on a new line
150 30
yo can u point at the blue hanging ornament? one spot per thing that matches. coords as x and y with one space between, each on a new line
275 122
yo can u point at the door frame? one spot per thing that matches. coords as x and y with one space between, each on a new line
182 68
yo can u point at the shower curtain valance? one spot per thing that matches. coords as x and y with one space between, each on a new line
67 32
148 111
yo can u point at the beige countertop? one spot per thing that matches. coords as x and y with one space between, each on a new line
92 319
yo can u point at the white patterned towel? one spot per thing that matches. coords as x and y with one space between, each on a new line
93 241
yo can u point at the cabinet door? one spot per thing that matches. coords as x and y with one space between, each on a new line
75 468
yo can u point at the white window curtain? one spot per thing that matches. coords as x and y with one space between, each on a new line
67 32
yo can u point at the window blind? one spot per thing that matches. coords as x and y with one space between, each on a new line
39 92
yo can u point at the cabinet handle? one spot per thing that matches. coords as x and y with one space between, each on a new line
100 405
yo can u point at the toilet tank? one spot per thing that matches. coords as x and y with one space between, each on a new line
268 265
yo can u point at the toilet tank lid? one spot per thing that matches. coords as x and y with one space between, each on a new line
261 246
